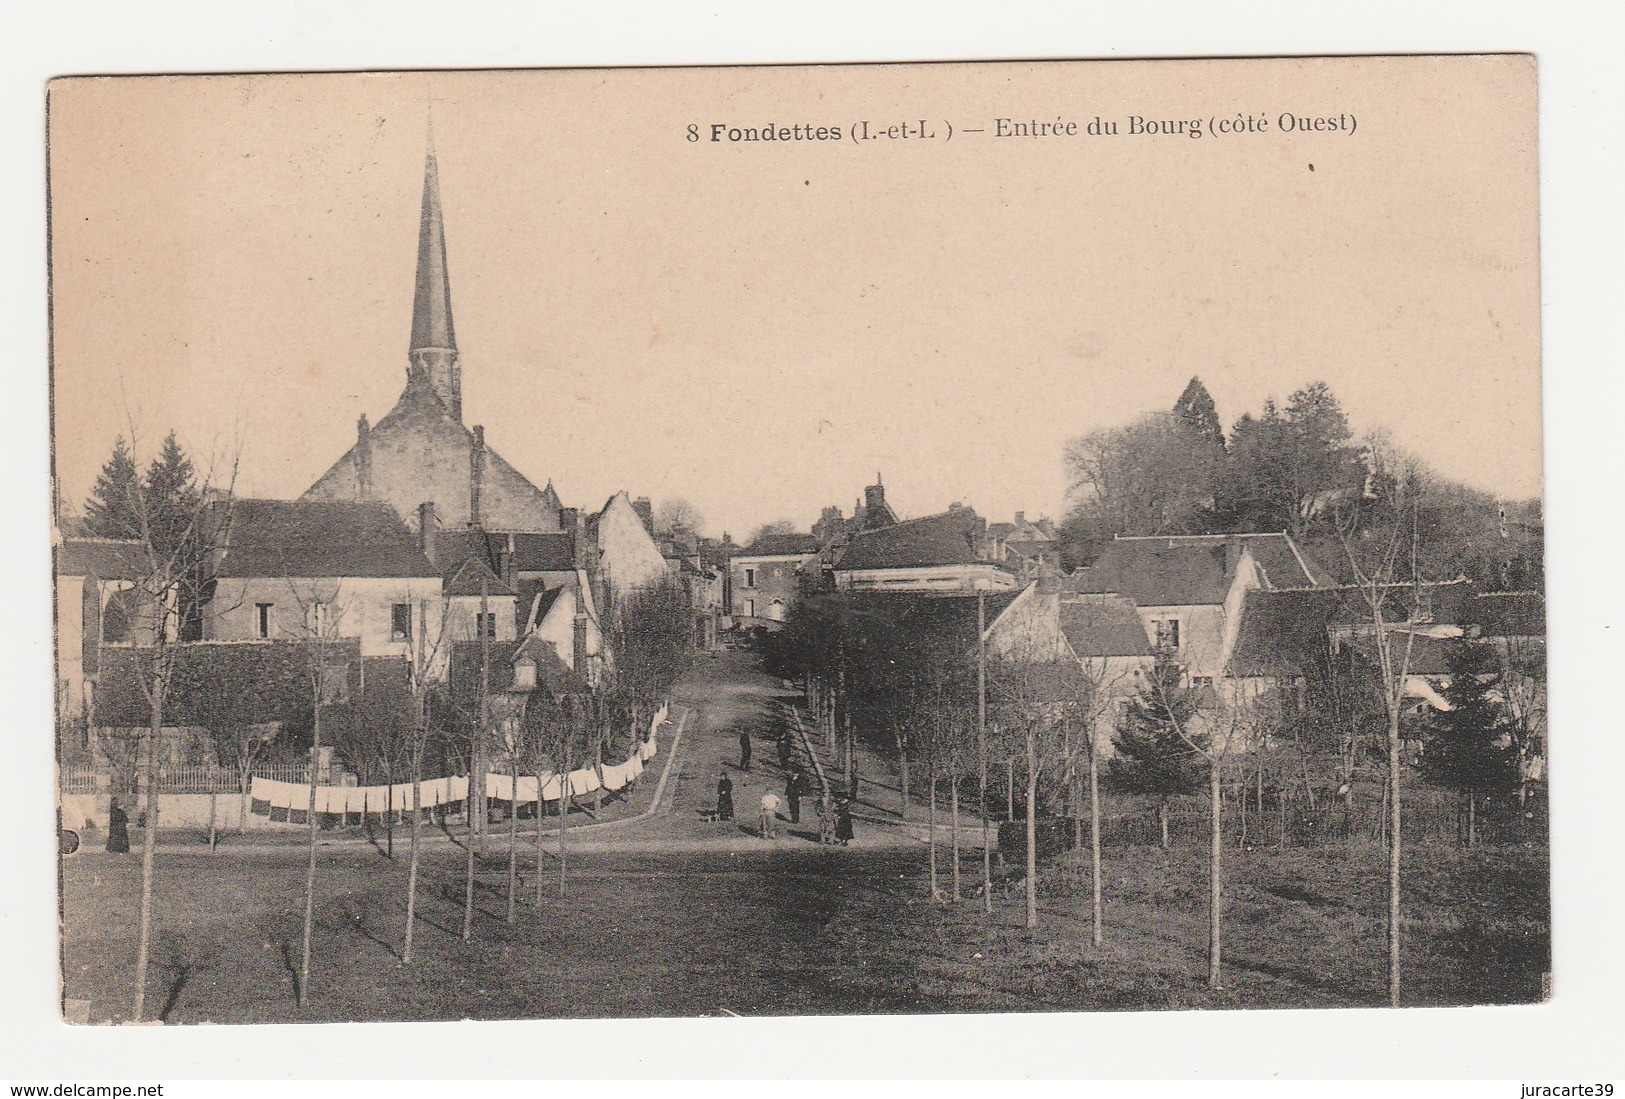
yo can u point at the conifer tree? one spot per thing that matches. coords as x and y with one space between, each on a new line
1467 748
1153 757
1199 415
111 511
172 495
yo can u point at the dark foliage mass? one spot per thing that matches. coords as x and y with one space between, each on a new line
1294 468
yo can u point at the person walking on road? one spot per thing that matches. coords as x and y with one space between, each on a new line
785 748
744 750
769 823
725 797
794 787
843 822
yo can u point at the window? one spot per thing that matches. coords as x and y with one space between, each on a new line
750 608
400 622
485 625
318 618
262 619
1424 605
1167 634
776 611
750 578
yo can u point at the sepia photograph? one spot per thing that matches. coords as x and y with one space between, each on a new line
1010 537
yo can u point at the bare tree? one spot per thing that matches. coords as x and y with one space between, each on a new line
322 614
1380 542
177 518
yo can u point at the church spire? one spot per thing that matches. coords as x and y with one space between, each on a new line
433 353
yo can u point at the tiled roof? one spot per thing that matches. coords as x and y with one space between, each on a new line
1510 613
779 545
1193 570
532 552
1282 632
474 577
107 558
320 538
1103 625
947 539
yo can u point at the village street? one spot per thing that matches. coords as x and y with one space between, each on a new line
674 914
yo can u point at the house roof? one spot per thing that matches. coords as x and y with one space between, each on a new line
1510 613
532 552
107 558
780 545
950 538
1282 632
535 600
474 577
320 538
1103 625
1193 570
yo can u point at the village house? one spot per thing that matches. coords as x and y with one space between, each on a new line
938 553
1096 644
1188 590
1026 548
98 603
322 570
767 578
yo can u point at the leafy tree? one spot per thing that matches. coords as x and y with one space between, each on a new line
1468 748
1153 757
1150 477
678 519
775 528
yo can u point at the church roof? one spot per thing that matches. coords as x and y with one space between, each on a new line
431 298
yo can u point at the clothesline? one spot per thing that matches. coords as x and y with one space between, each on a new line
454 788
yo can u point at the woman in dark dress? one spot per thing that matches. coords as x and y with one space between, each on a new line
725 798
118 829
843 822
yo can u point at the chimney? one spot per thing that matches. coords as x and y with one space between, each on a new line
645 512
426 527
1021 518
578 637
874 497
476 477
363 458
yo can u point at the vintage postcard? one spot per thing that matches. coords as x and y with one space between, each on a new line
890 539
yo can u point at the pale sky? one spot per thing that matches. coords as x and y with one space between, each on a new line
760 327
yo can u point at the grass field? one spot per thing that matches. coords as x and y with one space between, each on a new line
799 931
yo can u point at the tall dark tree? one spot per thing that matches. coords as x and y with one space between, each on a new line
172 495
1468 748
1153 756
1198 414
113 508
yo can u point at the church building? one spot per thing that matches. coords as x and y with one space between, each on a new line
474 513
